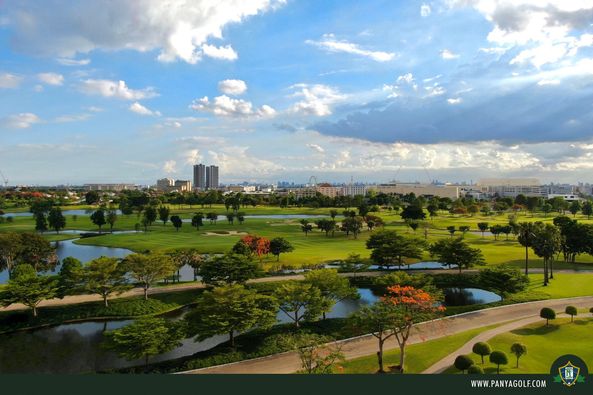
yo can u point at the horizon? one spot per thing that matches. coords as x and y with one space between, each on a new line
273 89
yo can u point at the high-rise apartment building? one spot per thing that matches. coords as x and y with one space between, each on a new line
205 177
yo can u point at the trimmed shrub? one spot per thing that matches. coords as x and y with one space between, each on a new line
482 349
547 314
463 362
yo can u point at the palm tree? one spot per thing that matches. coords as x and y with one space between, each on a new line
525 236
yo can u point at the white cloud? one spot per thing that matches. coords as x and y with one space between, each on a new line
435 90
316 148
193 157
316 99
142 110
228 107
10 81
408 78
454 101
115 89
330 44
170 166
178 29
72 118
425 10
236 160
20 121
232 87
73 62
51 78
448 55
548 82
224 53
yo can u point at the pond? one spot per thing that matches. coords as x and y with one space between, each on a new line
83 253
76 348
80 213
469 296
264 216
414 266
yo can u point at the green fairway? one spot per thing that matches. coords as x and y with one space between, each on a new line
419 356
544 344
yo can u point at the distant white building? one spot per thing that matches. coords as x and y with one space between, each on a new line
511 187
567 197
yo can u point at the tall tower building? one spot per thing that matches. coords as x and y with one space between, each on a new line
200 176
212 177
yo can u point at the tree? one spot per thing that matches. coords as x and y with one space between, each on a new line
571 311
70 278
144 338
280 245
105 276
463 229
40 222
518 349
164 214
197 220
111 218
451 229
231 218
547 209
301 301
228 269
483 226
475 369
463 362
482 349
587 209
499 358
56 219
177 222
230 309
575 207
389 248
333 213
503 278
150 215
546 243
190 257
376 319
10 249
456 252
326 225
353 264
332 286
306 227
98 218
38 252
525 237
212 217
147 269
413 212
352 225
317 357
547 314
28 287
411 306
92 197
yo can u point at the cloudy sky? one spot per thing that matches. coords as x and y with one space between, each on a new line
454 90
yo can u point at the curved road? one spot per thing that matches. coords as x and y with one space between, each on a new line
367 345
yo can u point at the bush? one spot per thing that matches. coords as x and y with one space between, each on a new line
504 279
547 314
475 369
571 311
499 358
463 362
482 349
591 310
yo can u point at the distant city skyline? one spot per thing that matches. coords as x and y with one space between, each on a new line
453 90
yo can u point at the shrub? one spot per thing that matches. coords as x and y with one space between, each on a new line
499 358
463 362
475 369
547 314
571 311
519 350
504 279
482 349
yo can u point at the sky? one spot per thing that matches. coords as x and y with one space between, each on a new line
269 90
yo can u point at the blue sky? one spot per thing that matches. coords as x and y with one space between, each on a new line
455 90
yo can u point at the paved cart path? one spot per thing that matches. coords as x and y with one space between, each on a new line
367 345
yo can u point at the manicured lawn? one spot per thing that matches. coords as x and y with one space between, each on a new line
419 356
544 344
563 285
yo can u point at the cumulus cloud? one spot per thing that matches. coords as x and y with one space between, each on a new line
193 157
178 29
548 82
170 166
51 78
329 43
9 80
20 121
316 99
549 28
115 89
425 10
238 161
228 107
316 148
448 54
232 87
456 100
142 110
